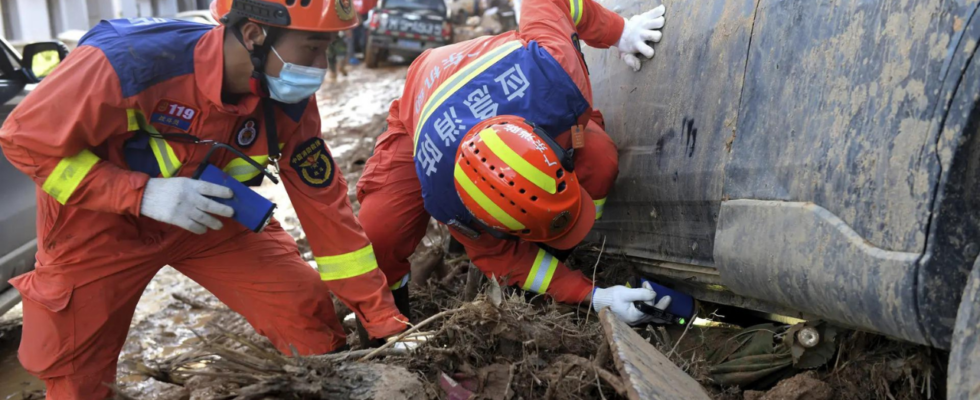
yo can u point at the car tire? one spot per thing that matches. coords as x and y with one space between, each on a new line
372 54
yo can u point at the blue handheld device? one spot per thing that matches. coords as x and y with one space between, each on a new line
251 209
680 311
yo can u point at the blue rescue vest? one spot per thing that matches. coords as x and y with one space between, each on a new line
509 80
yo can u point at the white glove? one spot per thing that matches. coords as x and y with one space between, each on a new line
412 341
620 300
181 202
637 31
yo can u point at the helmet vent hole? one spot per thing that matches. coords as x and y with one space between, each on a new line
467 162
491 167
501 176
472 144
523 191
477 151
304 3
560 173
561 187
511 183
483 179
526 231
492 188
534 198
501 195
483 160
523 211
290 2
512 203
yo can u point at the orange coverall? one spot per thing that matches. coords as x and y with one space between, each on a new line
96 254
392 211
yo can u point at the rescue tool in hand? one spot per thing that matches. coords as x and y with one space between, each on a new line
250 208
621 301
680 310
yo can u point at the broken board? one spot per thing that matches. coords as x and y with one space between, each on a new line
646 373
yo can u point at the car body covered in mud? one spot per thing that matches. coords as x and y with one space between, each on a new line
406 28
805 158
18 242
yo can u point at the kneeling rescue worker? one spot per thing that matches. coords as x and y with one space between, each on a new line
496 138
112 137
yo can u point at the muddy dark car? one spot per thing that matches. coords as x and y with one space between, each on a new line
18 242
807 160
406 28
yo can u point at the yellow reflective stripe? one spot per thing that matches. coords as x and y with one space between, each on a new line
576 8
516 162
131 117
599 206
485 202
457 80
402 282
347 265
242 170
541 273
166 158
68 174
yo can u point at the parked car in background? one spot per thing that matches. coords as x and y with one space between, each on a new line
18 243
406 28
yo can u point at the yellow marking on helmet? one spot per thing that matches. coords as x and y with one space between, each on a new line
484 202
516 162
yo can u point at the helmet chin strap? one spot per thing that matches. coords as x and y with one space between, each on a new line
258 55
259 84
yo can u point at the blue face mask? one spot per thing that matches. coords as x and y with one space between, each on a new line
295 83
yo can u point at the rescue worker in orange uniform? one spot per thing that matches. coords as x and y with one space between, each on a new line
112 137
478 141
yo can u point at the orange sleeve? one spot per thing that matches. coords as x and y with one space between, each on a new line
552 23
343 254
524 264
56 136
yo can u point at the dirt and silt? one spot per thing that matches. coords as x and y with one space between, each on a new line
495 342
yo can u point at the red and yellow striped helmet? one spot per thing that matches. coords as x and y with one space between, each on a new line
304 15
511 176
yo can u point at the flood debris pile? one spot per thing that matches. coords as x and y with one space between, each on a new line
498 346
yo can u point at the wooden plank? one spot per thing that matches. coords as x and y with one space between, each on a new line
646 373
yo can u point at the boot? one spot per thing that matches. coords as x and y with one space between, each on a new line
342 66
402 301
404 306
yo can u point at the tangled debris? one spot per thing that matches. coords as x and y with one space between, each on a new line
498 346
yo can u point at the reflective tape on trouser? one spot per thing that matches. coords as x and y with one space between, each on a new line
402 282
166 158
543 269
347 265
600 205
68 174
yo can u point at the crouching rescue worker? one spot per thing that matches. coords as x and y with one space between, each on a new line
112 137
496 138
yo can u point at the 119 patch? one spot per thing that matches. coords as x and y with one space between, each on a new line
172 113
313 163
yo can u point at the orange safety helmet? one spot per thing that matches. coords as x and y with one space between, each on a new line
515 179
304 15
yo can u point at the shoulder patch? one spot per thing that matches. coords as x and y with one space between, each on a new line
313 163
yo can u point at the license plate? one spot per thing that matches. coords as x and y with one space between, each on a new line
410 44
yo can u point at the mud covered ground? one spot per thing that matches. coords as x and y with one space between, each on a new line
183 343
